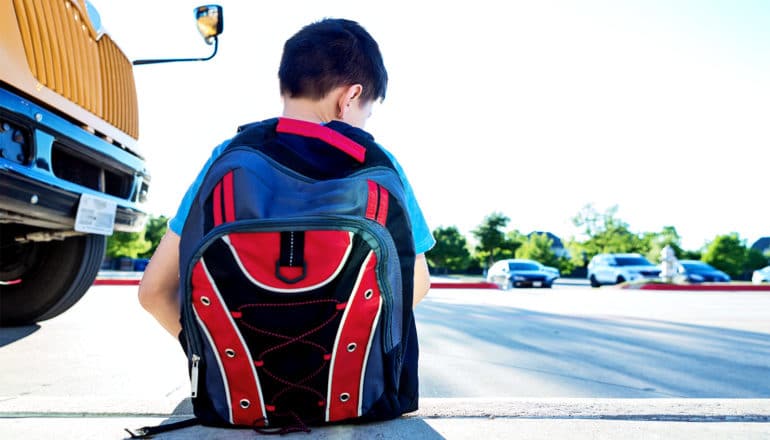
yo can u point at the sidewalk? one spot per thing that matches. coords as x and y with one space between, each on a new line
440 418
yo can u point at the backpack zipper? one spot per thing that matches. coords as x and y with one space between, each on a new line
194 375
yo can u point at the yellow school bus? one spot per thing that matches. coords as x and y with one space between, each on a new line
70 168
71 171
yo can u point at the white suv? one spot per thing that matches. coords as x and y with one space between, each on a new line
619 268
761 275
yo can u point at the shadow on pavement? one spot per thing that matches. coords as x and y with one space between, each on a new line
9 335
402 428
617 357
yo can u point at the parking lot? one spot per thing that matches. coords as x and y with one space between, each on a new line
106 359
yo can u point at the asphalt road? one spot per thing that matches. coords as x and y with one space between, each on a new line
107 356
583 342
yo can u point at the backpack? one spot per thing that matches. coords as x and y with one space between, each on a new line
296 281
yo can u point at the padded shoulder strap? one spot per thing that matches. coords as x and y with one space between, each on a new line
354 143
259 133
255 133
324 133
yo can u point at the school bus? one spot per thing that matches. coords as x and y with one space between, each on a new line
71 171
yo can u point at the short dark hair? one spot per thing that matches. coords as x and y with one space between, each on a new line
331 53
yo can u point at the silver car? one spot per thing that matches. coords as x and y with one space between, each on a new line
522 273
761 275
619 268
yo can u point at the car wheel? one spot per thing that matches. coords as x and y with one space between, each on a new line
43 279
594 282
620 280
547 285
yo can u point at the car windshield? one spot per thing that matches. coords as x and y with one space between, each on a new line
697 267
523 266
632 261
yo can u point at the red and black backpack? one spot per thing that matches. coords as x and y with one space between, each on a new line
296 281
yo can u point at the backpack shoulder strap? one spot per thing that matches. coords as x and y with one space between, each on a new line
149 431
260 133
324 133
254 134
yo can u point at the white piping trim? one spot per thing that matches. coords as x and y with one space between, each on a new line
246 273
221 368
203 327
366 357
339 333
243 345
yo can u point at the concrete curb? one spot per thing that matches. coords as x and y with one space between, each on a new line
115 282
663 409
462 285
753 410
699 287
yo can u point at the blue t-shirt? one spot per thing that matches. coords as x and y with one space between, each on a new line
423 239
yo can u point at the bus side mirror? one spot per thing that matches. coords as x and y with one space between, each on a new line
210 22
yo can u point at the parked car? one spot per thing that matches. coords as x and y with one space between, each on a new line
521 273
761 275
694 271
619 268
551 269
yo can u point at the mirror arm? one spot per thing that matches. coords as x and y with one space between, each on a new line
174 60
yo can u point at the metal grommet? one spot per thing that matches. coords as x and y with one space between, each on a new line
368 294
344 397
230 352
205 300
245 403
352 346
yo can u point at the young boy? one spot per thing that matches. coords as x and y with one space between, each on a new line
330 70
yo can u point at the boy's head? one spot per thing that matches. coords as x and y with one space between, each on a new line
329 54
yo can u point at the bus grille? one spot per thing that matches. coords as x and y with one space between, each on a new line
65 55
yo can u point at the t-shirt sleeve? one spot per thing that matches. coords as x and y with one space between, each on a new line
423 238
177 222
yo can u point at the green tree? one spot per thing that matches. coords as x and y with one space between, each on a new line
605 232
589 219
512 243
127 244
755 260
654 242
538 247
153 232
491 239
450 252
727 253
578 254
690 255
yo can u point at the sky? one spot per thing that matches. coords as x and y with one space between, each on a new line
531 109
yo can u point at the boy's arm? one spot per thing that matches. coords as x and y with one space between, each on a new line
158 288
421 278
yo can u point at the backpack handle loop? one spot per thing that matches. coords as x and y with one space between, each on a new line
290 280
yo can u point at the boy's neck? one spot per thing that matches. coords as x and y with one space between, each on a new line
318 111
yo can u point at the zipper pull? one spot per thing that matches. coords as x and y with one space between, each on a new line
194 375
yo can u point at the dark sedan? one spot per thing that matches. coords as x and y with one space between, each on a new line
695 271
521 273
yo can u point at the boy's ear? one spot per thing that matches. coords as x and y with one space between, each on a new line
349 96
